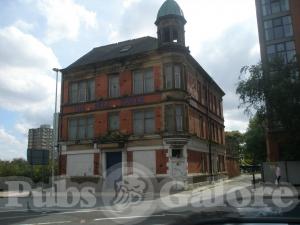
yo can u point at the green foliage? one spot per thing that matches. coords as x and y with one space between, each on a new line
20 167
255 141
234 143
274 95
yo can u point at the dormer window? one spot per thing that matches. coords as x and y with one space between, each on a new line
125 48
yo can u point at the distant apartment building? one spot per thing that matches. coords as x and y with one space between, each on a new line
279 35
145 100
40 138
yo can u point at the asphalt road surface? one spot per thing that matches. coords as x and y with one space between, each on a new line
150 211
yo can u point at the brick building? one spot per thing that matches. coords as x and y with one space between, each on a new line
279 35
145 100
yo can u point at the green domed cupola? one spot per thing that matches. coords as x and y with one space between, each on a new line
170 7
170 23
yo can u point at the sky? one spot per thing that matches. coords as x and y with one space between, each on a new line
38 35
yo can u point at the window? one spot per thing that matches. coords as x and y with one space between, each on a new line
174 118
166 34
82 91
175 35
81 128
143 122
113 121
274 6
143 81
173 76
199 91
204 94
114 86
285 50
168 77
278 28
177 153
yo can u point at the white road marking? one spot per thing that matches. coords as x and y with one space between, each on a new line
87 211
47 223
14 210
133 217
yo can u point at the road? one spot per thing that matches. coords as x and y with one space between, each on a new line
151 211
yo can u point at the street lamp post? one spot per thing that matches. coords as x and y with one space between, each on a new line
55 126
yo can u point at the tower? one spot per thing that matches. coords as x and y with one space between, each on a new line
170 23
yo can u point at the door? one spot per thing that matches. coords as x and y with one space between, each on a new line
113 167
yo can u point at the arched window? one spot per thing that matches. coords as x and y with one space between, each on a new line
175 38
166 34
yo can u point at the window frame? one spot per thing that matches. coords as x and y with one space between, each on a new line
173 76
89 123
110 77
143 73
172 116
267 6
89 91
143 112
281 53
112 114
284 24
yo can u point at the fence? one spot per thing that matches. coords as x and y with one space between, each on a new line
289 171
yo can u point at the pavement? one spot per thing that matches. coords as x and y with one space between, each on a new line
163 210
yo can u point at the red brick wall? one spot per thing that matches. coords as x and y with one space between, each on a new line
62 165
65 92
161 161
96 163
158 119
126 122
100 127
64 129
232 167
101 85
194 161
157 77
125 83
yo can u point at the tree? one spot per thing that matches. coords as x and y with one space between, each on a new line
273 93
255 141
20 167
234 143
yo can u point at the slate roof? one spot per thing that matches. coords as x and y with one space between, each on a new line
117 50
125 49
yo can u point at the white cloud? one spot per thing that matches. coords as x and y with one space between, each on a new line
20 49
65 18
10 147
128 3
24 26
26 81
27 86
